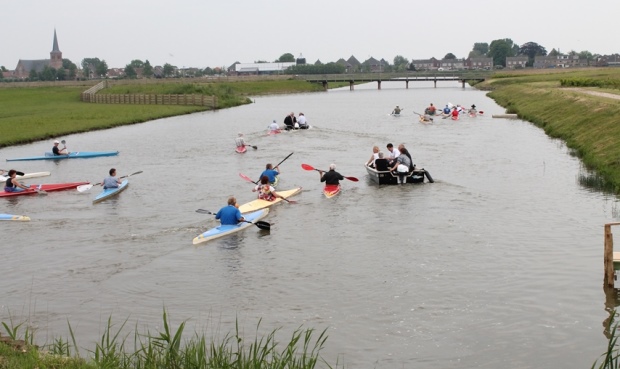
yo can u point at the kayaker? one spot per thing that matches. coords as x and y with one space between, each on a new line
265 190
230 214
446 110
274 126
58 151
239 141
331 177
12 185
455 113
270 172
111 181
396 110
430 110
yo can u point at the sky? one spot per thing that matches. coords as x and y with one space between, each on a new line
200 33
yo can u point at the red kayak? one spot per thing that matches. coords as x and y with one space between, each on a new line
34 189
273 132
331 190
241 149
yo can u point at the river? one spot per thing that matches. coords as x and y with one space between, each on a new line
499 263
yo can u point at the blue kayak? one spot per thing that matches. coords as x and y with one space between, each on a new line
227 229
14 217
109 192
72 155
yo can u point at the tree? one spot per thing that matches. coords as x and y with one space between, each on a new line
168 70
286 58
70 67
33 75
61 74
400 63
137 63
147 70
531 49
482 48
449 56
500 49
102 69
3 69
130 72
586 55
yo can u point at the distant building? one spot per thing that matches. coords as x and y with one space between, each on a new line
25 66
559 61
261 68
452 64
479 63
424 64
514 62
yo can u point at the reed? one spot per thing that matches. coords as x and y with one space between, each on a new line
168 349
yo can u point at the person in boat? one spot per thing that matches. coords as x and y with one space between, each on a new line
301 120
331 177
426 118
111 181
382 164
402 166
393 154
57 151
265 190
446 110
230 214
12 185
430 110
455 113
373 157
274 126
239 141
473 110
270 172
396 110
289 121
404 150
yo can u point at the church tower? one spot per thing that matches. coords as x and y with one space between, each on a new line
55 54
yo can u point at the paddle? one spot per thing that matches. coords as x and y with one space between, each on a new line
283 160
260 224
310 167
256 183
87 187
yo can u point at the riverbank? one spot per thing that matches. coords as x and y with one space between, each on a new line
586 118
31 112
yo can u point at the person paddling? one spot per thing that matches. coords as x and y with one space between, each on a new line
240 142
271 173
58 151
265 190
230 214
111 181
12 185
331 177
396 110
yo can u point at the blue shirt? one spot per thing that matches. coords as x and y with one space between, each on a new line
228 215
271 174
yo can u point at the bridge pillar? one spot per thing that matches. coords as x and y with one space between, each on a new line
351 85
463 83
378 85
406 84
325 85
435 83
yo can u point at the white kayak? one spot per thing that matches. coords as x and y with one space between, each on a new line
4 176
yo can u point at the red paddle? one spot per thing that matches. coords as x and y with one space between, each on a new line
250 180
310 167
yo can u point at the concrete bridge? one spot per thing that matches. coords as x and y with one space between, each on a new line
404 77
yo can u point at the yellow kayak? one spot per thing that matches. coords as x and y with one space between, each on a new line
261 204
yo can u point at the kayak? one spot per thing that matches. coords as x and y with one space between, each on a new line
14 217
331 190
109 192
273 132
73 155
241 149
262 204
3 177
227 229
48 187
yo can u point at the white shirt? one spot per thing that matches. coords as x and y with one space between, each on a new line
394 153
274 126
239 141
301 120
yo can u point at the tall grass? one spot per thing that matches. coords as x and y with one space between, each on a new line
168 350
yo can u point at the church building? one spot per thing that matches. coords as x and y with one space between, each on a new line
55 61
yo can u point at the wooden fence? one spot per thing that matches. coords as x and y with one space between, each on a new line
91 96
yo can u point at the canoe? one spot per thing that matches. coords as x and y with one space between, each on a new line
331 190
262 204
109 192
241 149
73 155
48 187
224 230
22 218
3 177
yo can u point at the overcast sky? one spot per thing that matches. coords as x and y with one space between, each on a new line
201 33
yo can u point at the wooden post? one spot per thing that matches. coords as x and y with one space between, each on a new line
435 82
608 256
378 85
351 85
406 84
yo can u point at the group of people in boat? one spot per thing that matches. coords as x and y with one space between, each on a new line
291 122
448 111
397 160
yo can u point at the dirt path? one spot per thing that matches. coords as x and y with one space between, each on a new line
594 93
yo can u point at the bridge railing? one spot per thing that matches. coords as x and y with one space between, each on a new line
426 75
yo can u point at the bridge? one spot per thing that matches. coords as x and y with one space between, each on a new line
405 77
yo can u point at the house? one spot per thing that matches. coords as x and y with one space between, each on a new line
559 61
24 66
373 65
261 68
424 64
348 68
479 63
516 62
355 64
452 64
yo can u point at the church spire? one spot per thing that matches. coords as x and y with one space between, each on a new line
55 54
55 47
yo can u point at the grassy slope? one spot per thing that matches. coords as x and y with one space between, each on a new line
588 124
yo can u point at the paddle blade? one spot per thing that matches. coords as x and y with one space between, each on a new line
246 178
254 147
85 187
307 167
203 211
262 225
353 179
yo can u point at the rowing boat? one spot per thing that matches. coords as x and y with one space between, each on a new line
49 187
241 149
262 204
227 229
73 155
22 218
3 177
109 192
331 190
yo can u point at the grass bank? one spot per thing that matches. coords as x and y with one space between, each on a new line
32 113
170 348
587 123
